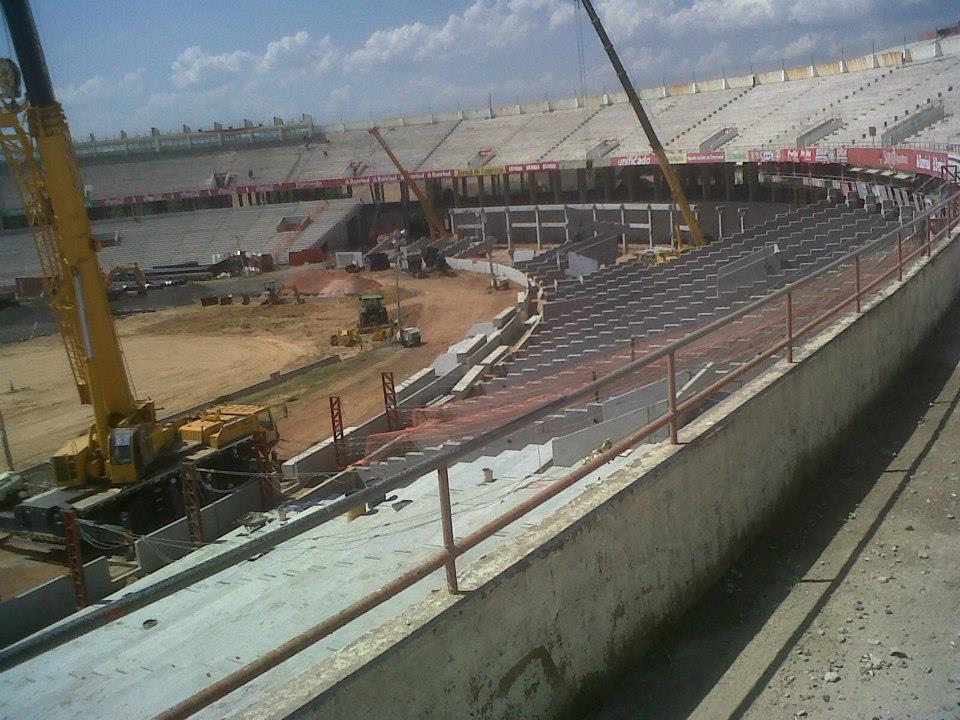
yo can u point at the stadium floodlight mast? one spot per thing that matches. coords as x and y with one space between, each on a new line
676 190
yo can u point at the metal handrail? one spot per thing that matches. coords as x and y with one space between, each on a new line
453 549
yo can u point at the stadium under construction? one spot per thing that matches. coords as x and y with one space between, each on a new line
538 501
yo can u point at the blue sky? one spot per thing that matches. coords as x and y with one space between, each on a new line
134 65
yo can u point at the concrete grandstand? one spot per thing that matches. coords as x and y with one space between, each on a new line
552 412
845 103
204 238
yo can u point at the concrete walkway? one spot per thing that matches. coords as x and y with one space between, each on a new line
850 605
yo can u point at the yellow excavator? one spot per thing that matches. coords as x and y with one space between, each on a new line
126 447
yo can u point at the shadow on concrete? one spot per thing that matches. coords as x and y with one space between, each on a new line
682 666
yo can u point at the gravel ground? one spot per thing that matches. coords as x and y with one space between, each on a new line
849 605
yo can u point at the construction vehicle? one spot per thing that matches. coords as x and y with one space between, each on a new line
373 314
346 337
409 337
437 229
277 295
123 469
669 174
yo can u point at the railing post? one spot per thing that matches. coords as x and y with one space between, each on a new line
446 524
789 327
928 231
900 255
856 271
672 396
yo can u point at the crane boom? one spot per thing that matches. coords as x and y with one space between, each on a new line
54 207
437 229
676 190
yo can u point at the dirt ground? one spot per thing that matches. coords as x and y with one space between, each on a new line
179 357
183 356
849 605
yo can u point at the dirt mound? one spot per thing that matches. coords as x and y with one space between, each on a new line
325 283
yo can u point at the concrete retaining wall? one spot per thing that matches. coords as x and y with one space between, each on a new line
546 616
45 604
274 379
171 542
482 267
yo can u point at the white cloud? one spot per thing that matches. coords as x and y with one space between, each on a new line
484 26
286 78
634 18
98 88
292 58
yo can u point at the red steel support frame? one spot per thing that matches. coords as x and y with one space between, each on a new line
191 501
266 468
336 420
390 408
78 578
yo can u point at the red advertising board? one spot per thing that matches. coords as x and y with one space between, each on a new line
923 162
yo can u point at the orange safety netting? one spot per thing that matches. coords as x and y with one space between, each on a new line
726 347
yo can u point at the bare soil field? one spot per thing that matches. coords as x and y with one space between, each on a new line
182 356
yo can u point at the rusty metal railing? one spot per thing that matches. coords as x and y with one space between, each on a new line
857 274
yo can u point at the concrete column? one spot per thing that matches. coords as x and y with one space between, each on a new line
481 188
405 206
582 184
729 180
706 185
659 186
608 180
505 186
532 189
463 188
456 193
555 186
632 173
750 178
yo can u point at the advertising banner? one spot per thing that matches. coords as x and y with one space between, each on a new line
488 170
711 156
923 162
532 167
675 158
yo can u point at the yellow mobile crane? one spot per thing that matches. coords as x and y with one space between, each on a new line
669 174
125 443
437 229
